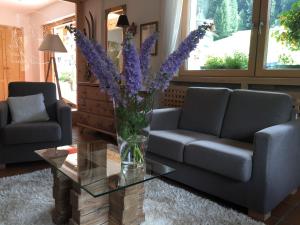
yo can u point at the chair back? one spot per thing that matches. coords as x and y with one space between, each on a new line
48 89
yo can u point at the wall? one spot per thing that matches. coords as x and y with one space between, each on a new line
138 11
33 34
12 18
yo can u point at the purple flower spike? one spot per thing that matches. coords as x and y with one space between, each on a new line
99 65
175 60
132 67
110 66
146 52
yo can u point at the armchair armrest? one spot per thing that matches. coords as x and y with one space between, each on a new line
3 113
275 164
64 118
165 119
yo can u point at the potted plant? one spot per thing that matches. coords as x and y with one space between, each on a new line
132 90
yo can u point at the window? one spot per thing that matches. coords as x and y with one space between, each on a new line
250 38
66 64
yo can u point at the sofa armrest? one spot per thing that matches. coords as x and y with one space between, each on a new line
3 113
64 118
165 119
276 163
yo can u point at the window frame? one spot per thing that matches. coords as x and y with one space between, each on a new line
262 48
257 52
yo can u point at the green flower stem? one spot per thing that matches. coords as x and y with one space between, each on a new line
139 154
125 154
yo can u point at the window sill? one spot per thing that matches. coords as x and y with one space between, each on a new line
238 80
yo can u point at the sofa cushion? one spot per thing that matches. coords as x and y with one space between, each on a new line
223 156
204 110
27 133
170 143
251 111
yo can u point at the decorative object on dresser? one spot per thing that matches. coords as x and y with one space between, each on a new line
90 33
133 90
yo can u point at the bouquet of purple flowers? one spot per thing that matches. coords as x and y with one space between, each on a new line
132 90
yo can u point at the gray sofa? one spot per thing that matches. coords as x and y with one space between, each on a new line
19 141
242 146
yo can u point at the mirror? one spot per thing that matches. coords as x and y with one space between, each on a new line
114 35
148 29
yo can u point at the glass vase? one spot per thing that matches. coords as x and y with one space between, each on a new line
132 123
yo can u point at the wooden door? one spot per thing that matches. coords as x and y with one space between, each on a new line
14 54
11 58
3 91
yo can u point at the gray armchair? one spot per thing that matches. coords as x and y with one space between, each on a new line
19 141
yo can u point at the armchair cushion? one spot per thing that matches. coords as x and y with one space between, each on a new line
251 111
30 108
28 133
204 110
170 143
225 157
31 88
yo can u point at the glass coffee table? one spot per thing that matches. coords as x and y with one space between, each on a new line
90 187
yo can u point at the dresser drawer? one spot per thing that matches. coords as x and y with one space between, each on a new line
97 122
92 92
99 108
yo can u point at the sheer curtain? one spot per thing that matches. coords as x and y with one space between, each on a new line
171 14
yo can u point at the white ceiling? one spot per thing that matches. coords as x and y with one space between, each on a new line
25 6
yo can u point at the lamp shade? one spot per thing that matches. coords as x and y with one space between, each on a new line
123 21
52 43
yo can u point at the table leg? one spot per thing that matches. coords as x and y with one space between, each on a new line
126 206
88 210
61 189
73 204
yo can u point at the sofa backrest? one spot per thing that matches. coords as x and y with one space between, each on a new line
204 109
250 111
31 88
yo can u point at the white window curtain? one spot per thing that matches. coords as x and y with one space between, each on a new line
171 13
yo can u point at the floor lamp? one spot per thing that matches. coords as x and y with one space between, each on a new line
52 43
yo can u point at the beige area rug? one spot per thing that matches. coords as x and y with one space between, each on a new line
27 200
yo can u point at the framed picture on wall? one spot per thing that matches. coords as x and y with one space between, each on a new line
146 30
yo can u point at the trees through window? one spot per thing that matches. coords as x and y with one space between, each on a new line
251 36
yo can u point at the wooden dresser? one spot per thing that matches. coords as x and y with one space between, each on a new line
95 109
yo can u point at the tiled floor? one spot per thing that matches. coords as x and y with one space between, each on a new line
287 213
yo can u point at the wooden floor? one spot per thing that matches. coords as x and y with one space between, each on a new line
287 213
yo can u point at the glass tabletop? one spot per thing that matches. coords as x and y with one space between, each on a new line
96 167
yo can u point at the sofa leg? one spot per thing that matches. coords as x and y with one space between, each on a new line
259 216
294 191
2 166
